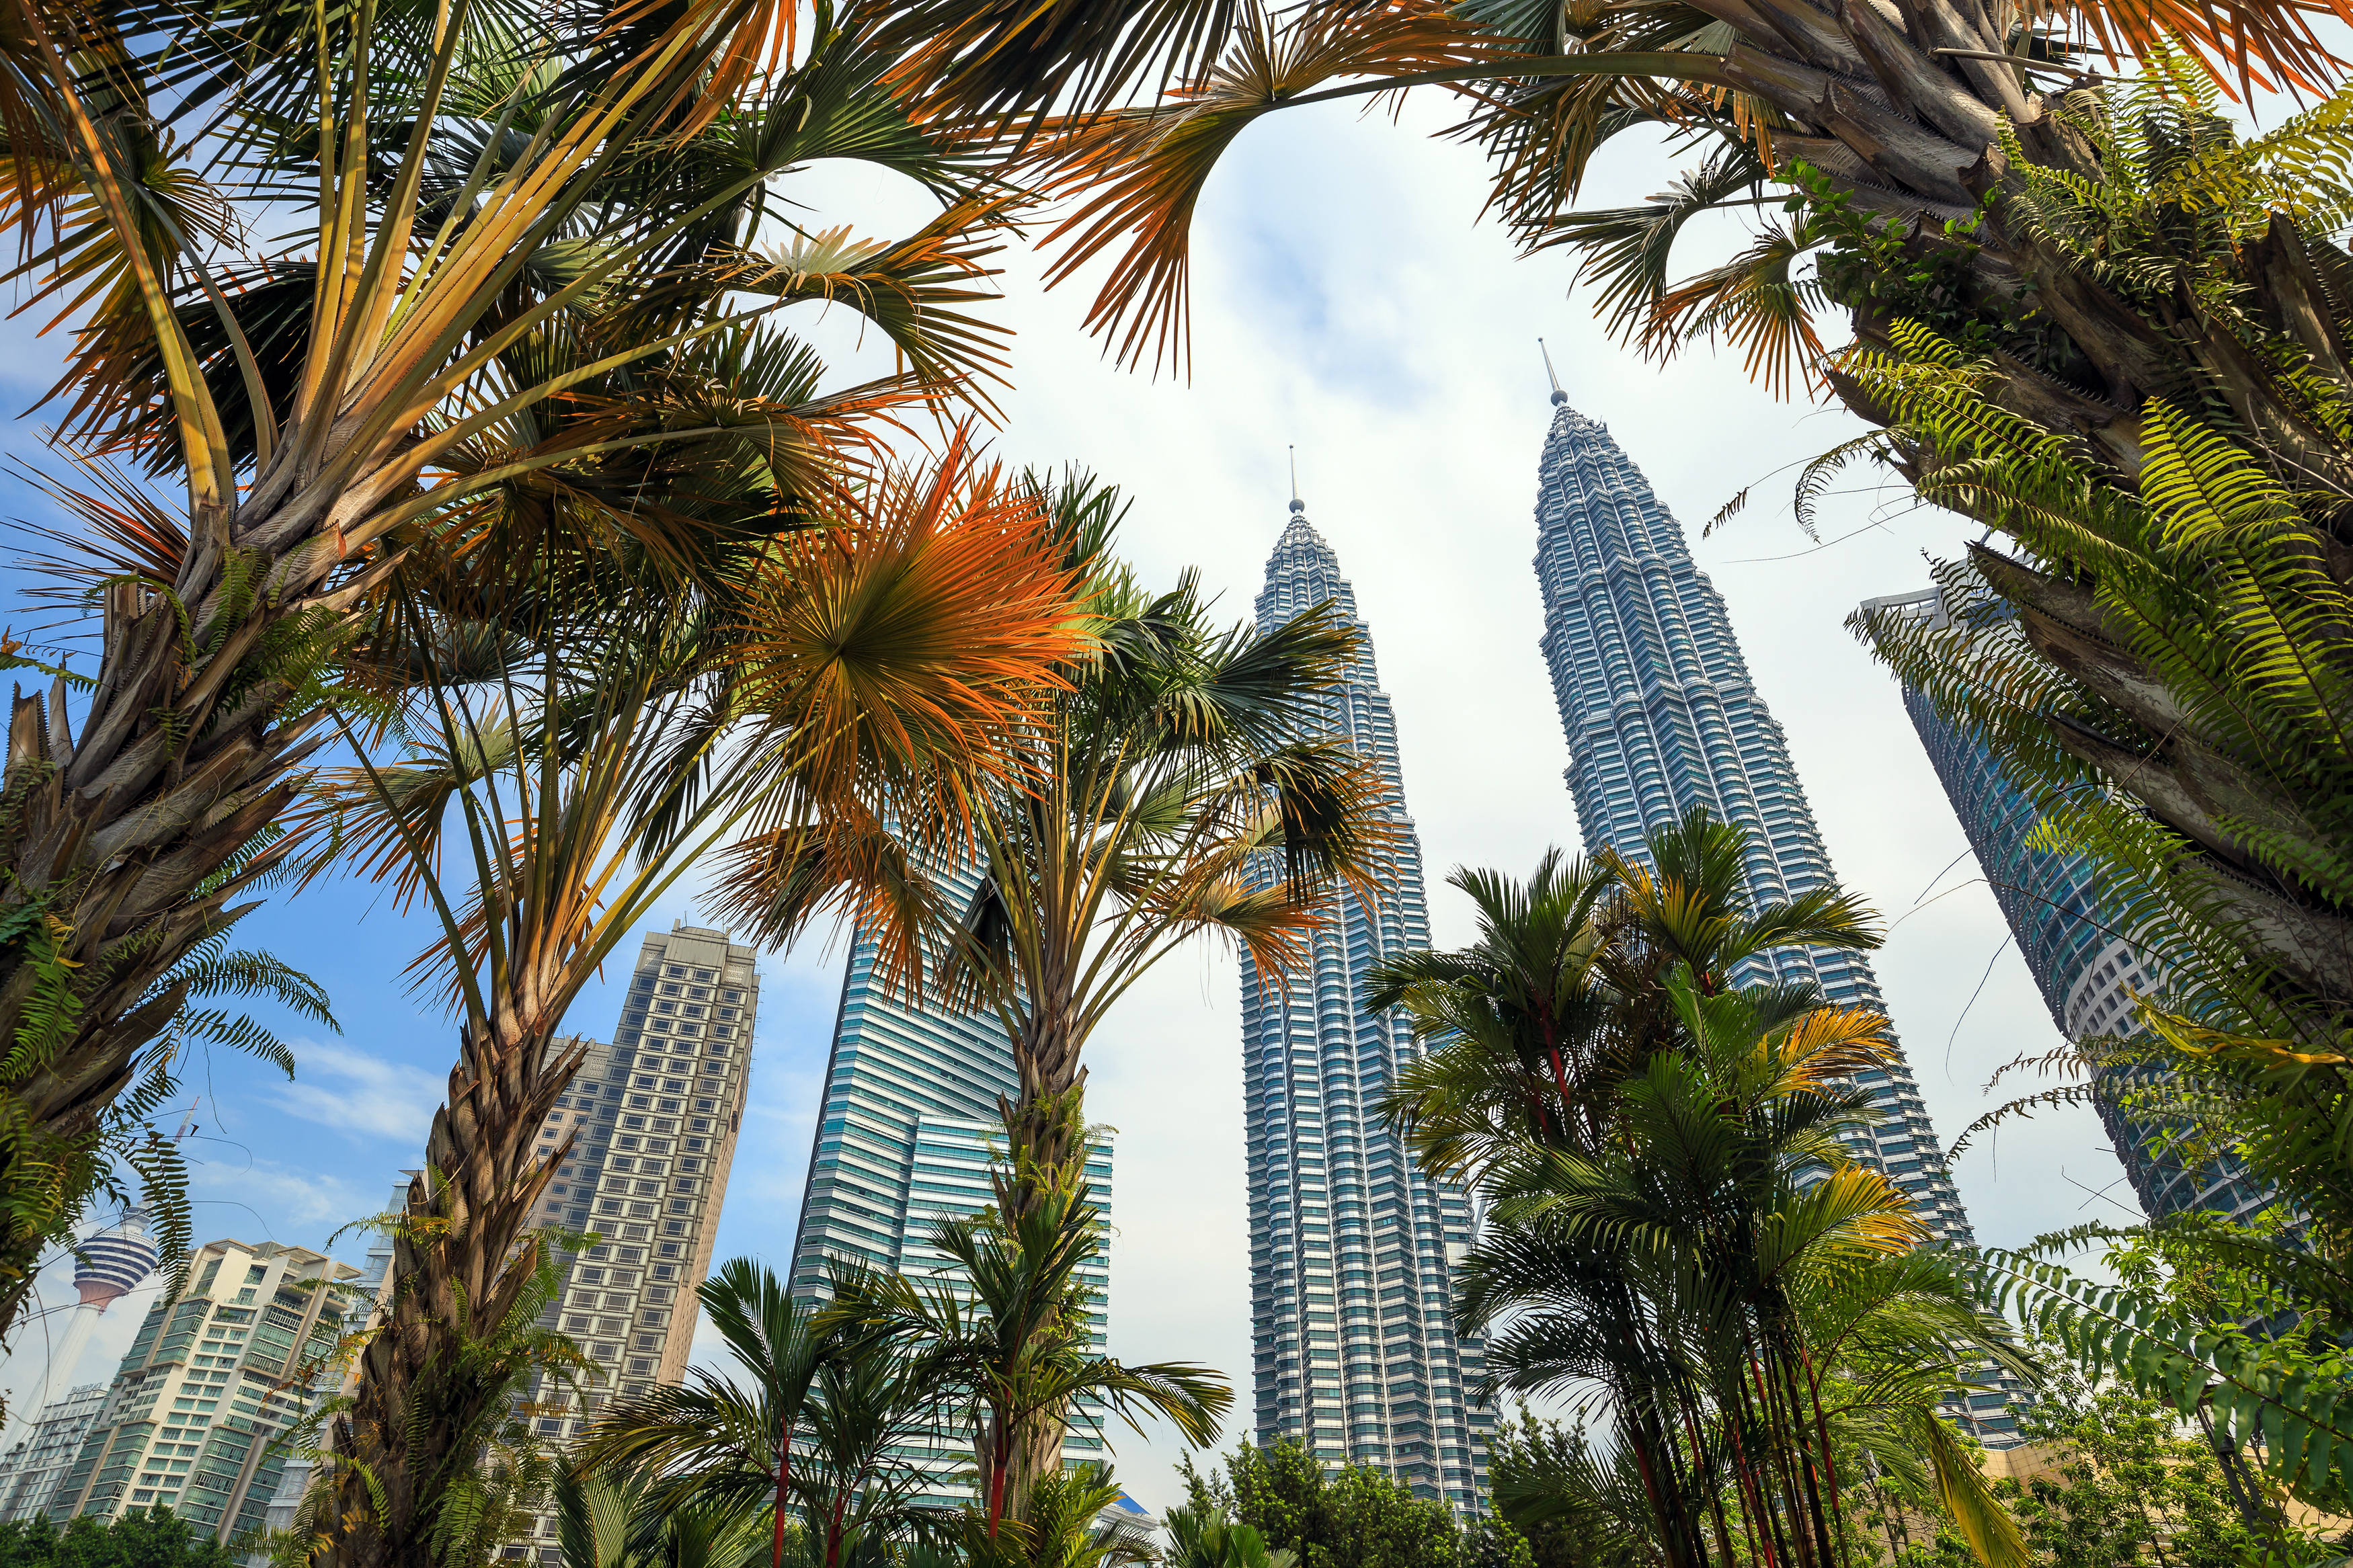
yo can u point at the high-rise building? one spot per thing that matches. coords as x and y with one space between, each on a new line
371 1295
654 1117
191 1420
1662 716
1354 1353
2081 955
905 1136
31 1470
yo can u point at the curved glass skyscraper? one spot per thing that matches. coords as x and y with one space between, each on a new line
1662 716
1355 1357
2080 954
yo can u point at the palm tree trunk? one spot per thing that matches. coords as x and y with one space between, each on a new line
110 844
422 1406
783 1478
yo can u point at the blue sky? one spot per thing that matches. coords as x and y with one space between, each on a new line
1346 301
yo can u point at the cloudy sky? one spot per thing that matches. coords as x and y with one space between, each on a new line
1348 300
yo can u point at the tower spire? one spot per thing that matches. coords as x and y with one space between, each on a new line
1559 397
1297 506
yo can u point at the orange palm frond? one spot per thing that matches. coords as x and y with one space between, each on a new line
1147 168
2232 40
913 630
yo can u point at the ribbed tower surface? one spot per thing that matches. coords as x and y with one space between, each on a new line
1350 1243
1662 716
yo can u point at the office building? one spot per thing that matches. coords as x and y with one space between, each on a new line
190 1420
653 1116
1662 716
32 1469
1353 1350
905 1135
2082 956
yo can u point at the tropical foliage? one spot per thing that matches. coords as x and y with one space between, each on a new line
521 334
142 1538
1144 799
1008 1332
1284 1509
1678 1239
584 749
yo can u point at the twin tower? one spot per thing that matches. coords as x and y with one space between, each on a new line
1355 1357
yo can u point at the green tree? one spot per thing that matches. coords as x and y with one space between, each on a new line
1547 1482
1199 1537
1675 1227
2126 1485
727 1445
142 1538
1349 1517
1009 1340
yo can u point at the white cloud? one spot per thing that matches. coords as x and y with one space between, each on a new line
353 1092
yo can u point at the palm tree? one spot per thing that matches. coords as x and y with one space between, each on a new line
1788 1312
1154 796
1198 1538
482 1485
609 1519
1008 1333
1062 1526
1531 1029
531 283
727 1443
620 735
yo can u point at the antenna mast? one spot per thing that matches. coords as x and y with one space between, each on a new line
1559 397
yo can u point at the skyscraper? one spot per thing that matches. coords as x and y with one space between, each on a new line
214 1376
655 1115
33 1469
2081 955
1354 1355
904 1137
1661 716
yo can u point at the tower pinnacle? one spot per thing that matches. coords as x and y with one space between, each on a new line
1297 506
1559 397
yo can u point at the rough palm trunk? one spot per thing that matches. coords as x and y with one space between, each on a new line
113 841
1903 120
422 1403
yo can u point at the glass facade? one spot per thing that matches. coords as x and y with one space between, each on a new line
1350 1302
1662 716
2079 954
905 1136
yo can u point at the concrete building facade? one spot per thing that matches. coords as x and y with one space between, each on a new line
190 1420
32 1469
654 1117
